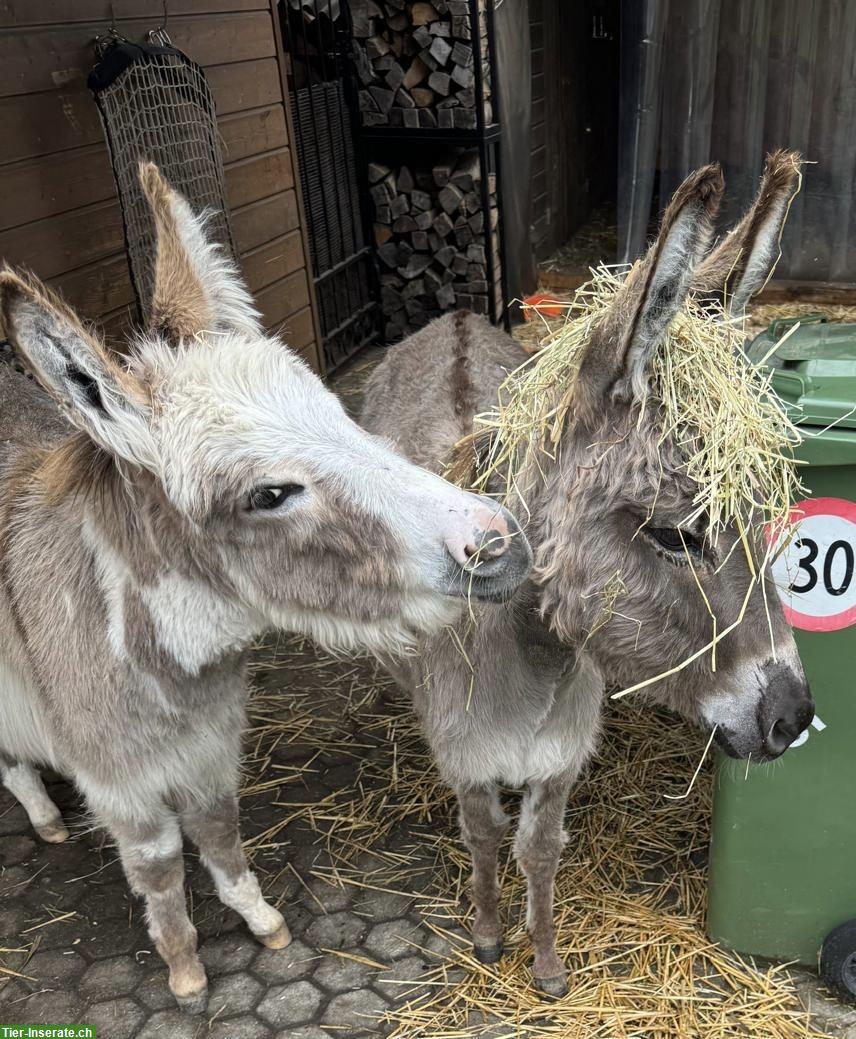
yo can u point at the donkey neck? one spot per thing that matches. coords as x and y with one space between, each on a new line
167 606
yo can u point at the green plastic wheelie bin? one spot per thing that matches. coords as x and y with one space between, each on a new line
782 881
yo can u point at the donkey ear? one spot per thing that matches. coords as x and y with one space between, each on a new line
196 286
741 264
98 396
619 359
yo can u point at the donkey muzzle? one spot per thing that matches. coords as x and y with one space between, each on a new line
784 709
787 708
488 555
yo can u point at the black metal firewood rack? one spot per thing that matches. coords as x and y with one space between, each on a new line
316 35
378 142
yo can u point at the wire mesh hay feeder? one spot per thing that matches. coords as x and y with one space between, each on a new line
155 103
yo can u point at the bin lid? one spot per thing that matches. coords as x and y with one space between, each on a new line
814 370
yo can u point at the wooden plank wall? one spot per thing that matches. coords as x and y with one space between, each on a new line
59 213
540 234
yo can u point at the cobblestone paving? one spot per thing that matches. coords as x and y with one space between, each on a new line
86 955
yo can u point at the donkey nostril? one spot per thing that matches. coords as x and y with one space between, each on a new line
494 543
782 735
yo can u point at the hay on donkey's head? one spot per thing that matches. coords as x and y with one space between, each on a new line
719 409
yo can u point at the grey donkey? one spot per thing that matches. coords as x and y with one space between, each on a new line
166 513
524 706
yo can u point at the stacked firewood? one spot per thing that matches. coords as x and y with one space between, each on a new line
430 237
416 64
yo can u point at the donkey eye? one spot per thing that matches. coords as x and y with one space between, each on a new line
673 539
272 497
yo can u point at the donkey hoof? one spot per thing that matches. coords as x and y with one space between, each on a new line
554 987
53 831
278 939
194 1003
488 952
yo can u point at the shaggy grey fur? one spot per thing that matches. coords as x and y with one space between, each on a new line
523 705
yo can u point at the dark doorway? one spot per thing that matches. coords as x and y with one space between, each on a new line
575 81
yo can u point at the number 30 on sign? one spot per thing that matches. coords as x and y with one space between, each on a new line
816 573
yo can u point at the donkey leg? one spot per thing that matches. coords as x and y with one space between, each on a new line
214 829
26 784
483 825
537 847
151 854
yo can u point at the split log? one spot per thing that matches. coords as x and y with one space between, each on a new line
428 234
423 14
416 73
404 44
423 97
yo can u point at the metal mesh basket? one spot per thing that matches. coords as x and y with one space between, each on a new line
155 104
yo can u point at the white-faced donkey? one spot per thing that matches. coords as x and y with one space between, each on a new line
206 492
524 707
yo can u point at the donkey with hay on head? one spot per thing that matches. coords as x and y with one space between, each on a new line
210 491
612 496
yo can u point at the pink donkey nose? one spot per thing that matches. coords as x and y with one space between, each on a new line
483 532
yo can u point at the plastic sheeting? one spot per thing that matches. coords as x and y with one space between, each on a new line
514 80
732 80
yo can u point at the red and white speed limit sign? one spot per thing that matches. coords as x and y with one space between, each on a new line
815 574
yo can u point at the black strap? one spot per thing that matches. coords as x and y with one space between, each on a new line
118 56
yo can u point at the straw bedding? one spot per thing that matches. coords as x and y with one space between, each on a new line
631 889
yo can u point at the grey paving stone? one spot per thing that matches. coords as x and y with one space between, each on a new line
306 1032
827 1014
401 983
234 994
441 947
108 938
66 934
50 1008
333 898
12 920
336 931
245 1027
13 995
17 849
294 1004
299 917
380 906
355 1010
56 968
392 940
108 979
289 964
367 863
172 1024
13 818
116 1019
230 953
154 992
306 855
14 881
337 974
338 776
107 901
214 920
